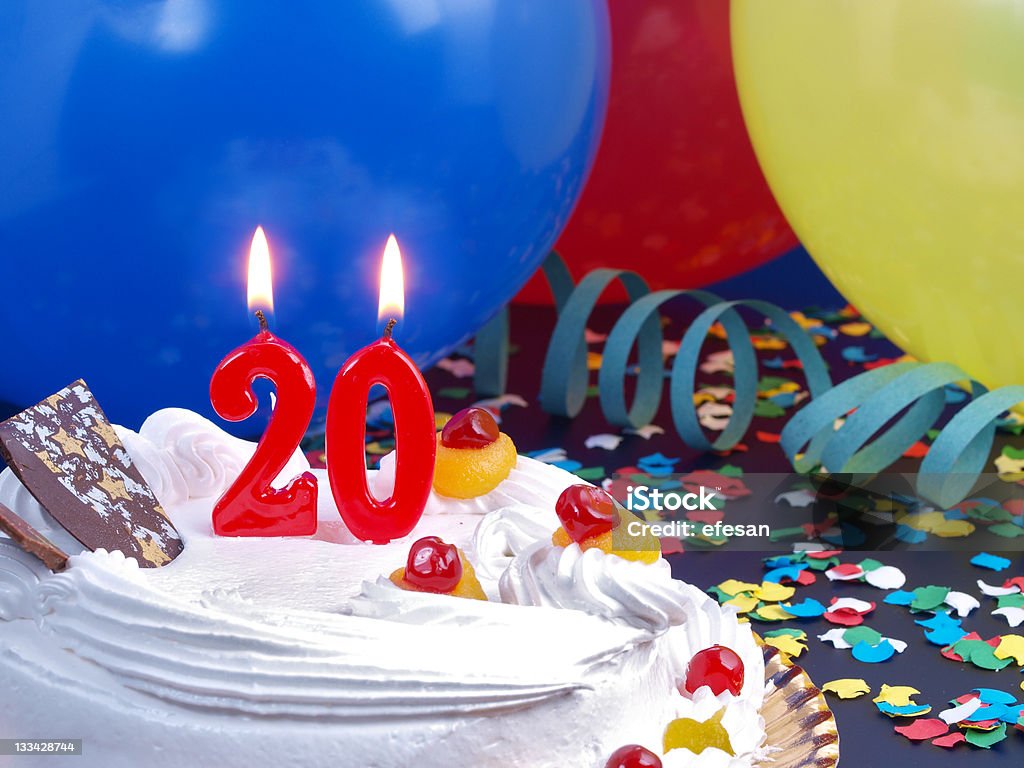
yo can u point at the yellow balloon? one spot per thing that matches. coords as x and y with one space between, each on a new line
892 134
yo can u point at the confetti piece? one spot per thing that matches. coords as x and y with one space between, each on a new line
907 710
657 459
460 368
874 654
950 740
847 687
899 645
945 635
714 416
797 499
1006 530
992 562
929 598
774 592
986 739
919 730
787 644
605 441
909 535
646 432
886 577
548 455
786 573
733 587
569 465
917 450
743 603
950 529
897 695
590 473
719 362
979 653
855 329
767 409
806 578
993 591
835 637
862 634
1010 647
771 613
962 603
845 572
856 354
807 609
1013 616
900 598
454 393
994 696
961 712
844 617
852 604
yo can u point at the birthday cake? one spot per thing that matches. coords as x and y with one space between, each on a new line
514 626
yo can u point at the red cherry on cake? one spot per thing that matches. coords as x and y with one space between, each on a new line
586 511
633 756
470 428
433 565
717 667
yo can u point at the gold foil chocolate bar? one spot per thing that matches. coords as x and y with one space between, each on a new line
65 451
32 541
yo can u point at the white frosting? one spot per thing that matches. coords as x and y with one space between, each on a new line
624 591
249 651
185 456
530 483
506 532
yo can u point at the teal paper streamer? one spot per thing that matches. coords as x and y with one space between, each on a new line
640 325
556 272
813 423
684 370
491 347
958 454
876 397
565 377
922 388
491 353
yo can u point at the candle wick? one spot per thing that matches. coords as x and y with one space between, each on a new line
389 327
264 326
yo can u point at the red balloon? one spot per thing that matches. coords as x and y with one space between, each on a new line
676 193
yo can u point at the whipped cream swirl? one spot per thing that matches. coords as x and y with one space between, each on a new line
639 594
185 456
505 533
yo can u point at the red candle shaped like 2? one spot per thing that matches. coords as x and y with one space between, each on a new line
251 506
383 362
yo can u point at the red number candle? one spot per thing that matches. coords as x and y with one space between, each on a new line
383 362
251 507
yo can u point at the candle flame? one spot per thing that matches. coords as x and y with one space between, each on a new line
392 284
261 283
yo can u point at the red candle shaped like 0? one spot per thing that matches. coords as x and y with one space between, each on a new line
251 506
382 362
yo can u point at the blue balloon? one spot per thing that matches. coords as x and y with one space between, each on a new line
143 141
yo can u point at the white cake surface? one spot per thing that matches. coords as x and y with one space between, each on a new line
298 651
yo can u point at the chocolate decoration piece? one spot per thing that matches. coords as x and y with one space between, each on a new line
69 457
32 541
